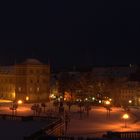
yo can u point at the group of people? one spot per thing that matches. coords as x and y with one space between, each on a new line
37 109
13 108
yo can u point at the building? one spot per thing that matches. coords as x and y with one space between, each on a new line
113 72
28 81
106 81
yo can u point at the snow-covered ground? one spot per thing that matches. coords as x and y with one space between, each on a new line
95 125
16 129
98 123
21 110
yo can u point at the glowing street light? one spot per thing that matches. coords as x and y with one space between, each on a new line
27 98
107 102
77 100
52 96
61 97
19 102
130 101
86 99
125 117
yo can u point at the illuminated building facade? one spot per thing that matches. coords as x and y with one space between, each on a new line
28 81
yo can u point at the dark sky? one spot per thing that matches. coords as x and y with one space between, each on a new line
77 34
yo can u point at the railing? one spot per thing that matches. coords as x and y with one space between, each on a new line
72 138
55 125
26 118
13 117
124 135
56 129
51 129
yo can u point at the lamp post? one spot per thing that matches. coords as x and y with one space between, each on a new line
125 117
107 103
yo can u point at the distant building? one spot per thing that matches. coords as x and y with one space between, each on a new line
28 81
109 81
113 71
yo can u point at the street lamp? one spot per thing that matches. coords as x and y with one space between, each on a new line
27 98
107 102
125 117
130 101
100 101
19 102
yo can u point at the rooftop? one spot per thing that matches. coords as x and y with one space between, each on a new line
32 61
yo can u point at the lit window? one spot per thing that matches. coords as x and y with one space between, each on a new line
19 89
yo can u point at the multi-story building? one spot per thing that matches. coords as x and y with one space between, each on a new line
7 82
28 81
109 81
113 71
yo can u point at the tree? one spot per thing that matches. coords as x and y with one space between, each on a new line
80 105
87 107
14 108
67 82
63 84
69 104
84 85
56 104
43 105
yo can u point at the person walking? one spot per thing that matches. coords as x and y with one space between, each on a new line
67 120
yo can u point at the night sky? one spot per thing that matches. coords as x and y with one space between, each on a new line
77 34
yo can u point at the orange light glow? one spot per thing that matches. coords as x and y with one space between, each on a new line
19 102
107 102
100 101
125 116
52 96
67 96
130 101
27 98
